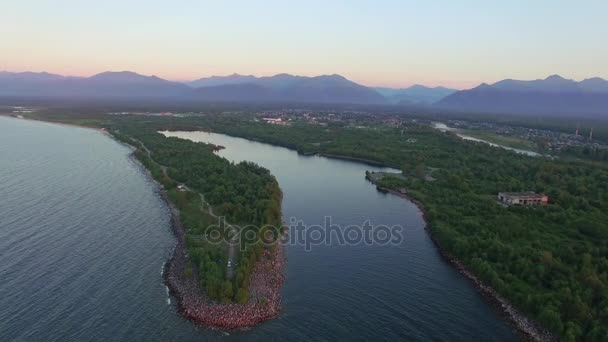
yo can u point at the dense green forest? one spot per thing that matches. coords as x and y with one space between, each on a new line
551 262
244 193
590 153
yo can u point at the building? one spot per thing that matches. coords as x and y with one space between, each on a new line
523 198
276 121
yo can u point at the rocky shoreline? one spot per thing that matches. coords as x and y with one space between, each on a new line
266 282
528 329
192 303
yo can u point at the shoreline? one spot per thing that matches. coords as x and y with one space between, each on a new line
192 303
100 130
354 159
526 328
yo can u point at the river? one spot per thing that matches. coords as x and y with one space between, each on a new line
403 291
444 128
84 235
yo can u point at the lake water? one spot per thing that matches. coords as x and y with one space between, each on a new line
84 235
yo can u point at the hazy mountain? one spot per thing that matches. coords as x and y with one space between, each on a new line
553 95
553 83
595 84
327 88
283 81
128 83
244 92
415 95
29 76
107 84
289 88
279 81
27 83
233 88
222 80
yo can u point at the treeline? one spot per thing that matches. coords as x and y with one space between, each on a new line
245 194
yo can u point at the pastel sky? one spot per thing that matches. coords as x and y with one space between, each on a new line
458 43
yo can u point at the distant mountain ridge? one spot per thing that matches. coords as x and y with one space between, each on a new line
415 95
222 80
106 84
552 95
234 88
286 87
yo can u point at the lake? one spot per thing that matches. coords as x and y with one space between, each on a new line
84 236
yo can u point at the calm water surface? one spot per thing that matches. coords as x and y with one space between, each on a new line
84 235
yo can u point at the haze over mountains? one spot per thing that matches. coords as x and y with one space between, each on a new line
553 95
107 84
279 88
287 88
232 88
415 95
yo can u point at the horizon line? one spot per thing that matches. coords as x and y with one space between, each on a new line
183 80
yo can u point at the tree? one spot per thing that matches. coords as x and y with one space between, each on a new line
420 171
227 291
551 319
242 296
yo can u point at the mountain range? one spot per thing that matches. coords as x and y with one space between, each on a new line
232 88
287 88
552 95
235 88
107 84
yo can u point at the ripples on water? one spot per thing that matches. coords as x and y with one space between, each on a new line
83 237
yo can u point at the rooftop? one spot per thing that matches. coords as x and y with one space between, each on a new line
522 194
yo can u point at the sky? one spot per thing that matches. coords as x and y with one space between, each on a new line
376 43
